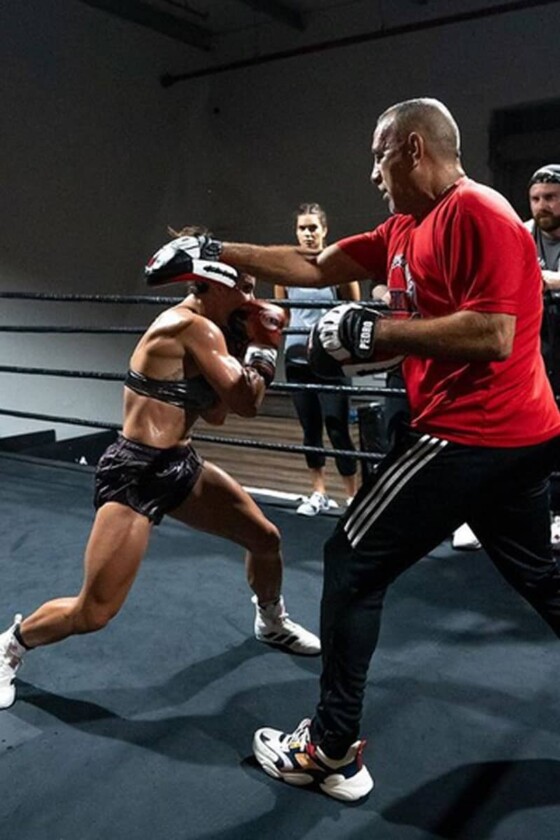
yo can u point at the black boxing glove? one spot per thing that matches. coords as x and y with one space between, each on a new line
342 343
263 360
189 258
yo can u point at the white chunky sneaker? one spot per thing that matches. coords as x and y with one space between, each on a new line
294 759
465 540
11 653
273 626
555 533
316 503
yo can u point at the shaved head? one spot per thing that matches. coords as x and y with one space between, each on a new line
431 119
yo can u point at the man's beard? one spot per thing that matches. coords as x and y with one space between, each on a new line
547 222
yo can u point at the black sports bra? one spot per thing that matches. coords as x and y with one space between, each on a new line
194 393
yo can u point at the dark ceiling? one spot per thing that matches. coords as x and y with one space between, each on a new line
222 34
199 23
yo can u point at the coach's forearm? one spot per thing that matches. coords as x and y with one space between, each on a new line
282 264
468 336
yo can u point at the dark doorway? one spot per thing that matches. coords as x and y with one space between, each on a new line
522 139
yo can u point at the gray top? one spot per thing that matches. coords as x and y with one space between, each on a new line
548 248
295 345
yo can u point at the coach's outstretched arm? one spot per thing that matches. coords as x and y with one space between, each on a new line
467 335
287 265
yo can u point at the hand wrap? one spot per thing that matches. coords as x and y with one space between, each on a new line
263 360
342 343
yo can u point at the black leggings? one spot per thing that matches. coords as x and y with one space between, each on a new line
421 492
315 409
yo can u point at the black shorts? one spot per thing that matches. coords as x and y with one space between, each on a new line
151 481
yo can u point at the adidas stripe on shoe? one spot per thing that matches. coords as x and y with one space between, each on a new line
274 627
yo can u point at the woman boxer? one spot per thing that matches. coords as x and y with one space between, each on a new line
180 370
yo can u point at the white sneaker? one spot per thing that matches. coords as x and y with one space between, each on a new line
555 533
465 540
316 503
293 758
11 653
273 627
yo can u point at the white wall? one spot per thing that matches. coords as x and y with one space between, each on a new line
87 151
96 157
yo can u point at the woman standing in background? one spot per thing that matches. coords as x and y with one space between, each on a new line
316 410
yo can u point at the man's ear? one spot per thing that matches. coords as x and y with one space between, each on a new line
416 147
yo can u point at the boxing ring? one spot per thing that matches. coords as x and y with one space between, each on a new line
275 388
144 730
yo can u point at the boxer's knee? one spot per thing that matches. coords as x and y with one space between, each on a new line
265 539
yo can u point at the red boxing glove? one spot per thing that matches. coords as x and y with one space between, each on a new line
257 322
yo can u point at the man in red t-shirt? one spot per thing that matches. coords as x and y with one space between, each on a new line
483 417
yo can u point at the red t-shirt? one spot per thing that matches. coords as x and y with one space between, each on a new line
470 252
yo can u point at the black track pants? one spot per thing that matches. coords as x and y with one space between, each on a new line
423 490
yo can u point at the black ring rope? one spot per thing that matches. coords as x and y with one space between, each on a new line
351 390
249 444
73 298
74 374
229 441
280 387
327 303
158 299
92 330
71 421
289 304
288 447
108 330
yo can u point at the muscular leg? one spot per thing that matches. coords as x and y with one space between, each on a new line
219 505
115 548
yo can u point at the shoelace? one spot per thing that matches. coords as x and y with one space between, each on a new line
274 619
300 736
